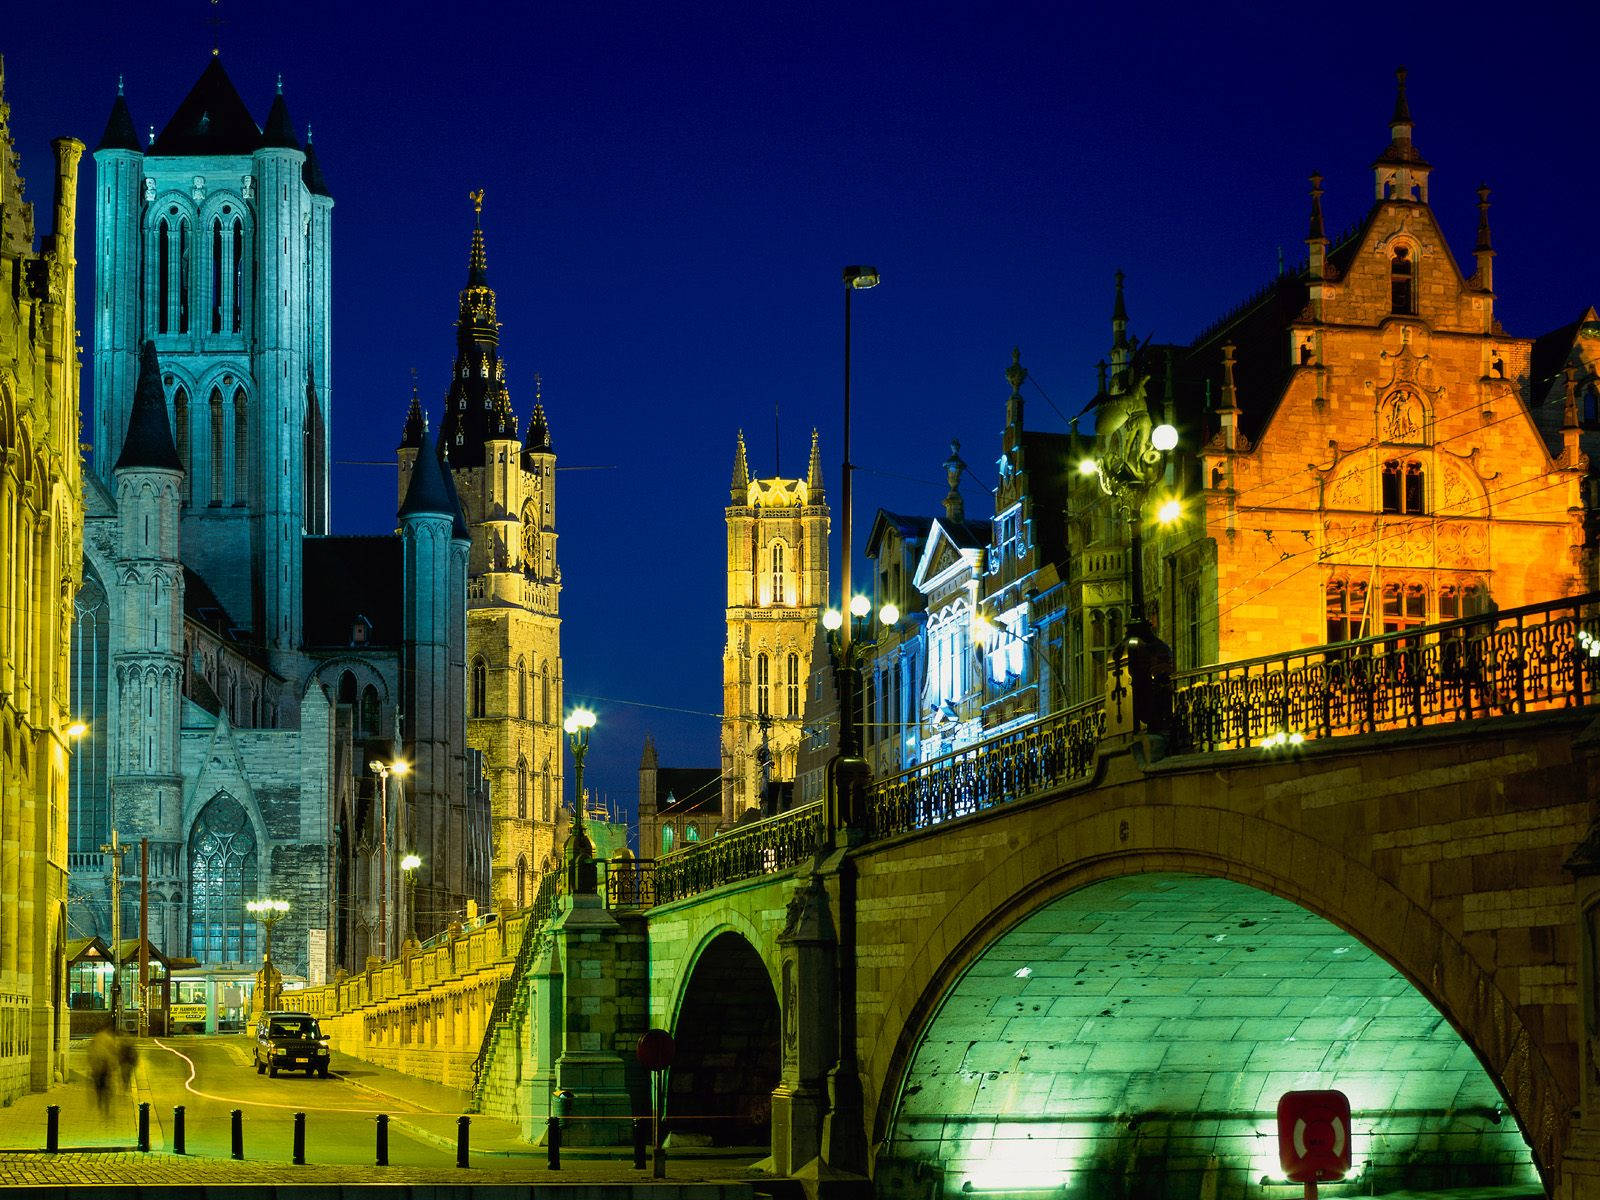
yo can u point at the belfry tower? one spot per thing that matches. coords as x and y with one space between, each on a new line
777 588
514 675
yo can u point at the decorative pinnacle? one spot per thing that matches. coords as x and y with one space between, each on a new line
1570 415
1317 231
1016 372
477 202
119 85
1484 243
1402 109
280 83
308 133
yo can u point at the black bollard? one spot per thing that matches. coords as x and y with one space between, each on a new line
383 1139
463 1133
52 1128
552 1143
144 1125
177 1129
238 1133
299 1139
641 1139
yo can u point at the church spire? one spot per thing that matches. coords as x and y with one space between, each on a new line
815 493
1401 172
416 423
477 260
149 443
740 489
478 406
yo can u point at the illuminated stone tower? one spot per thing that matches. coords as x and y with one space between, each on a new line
514 676
213 242
777 588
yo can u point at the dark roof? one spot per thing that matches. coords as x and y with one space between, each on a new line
200 603
347 579
688 789
149 442
458 529
428 492
1550 354
211 120
311 173
912 530
969 535
120 133
279 131
411 435
478 406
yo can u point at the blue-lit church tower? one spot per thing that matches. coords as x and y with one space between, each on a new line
212 242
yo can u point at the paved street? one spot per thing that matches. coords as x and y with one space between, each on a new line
211 1076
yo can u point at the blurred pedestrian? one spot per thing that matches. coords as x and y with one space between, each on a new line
127 1060
104 1061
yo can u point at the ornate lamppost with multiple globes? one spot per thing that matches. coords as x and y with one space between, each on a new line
383 770
408 867
582 874
269 912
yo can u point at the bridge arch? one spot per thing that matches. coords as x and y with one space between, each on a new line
1123 837
726 1024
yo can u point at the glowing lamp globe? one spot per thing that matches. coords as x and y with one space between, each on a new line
860 606
1164 438
832 619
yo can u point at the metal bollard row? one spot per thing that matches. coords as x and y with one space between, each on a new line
144 1126
552 1143
383 1140
463 1133
178 1144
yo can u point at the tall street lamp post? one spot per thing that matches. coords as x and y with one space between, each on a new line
582 874
409 865
269 912
383 770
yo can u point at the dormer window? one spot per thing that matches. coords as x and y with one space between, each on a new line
1402 283
360 632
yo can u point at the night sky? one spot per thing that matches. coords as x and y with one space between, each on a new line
671 191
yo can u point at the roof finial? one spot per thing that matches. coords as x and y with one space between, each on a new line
478 259
1402 109
954 508
308 134
1317 230
1016 372
477 205
152 135
1484 242
119 85
538 387
280 83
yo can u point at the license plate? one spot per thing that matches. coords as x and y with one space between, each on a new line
302 1060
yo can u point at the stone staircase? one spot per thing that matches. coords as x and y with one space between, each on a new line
497 1071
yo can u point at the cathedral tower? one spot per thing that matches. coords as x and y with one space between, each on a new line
513 629
214 243
777 588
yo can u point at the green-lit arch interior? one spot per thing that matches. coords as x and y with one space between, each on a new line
1132 1039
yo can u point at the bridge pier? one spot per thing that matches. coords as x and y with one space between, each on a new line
603 998
807 1001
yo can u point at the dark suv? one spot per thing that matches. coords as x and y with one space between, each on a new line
290 1041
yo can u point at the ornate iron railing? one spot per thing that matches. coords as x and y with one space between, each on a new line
775 844
1046 753
630 884
1524 659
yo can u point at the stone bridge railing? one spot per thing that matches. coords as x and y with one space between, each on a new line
1518 661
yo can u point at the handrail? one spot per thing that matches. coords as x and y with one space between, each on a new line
775 844
539 914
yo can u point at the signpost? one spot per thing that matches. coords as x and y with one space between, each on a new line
1314 1137
655 1051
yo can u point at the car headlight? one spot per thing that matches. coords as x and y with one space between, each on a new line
323 1042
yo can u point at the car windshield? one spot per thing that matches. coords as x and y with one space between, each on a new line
293 1027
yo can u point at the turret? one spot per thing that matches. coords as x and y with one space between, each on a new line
410 438
815 492
319 334
119 175
739 491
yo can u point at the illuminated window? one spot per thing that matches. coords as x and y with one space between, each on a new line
666 839
1405 606
180 410
1346 606
183 276
522 789
480 687
163 275
522 882
522 689
216 275
1402 283
777 572
223 876
1467 600
369 711
218 435
241 449
238 275
544 692
1403 490
792 707
546 808
763 681
691 834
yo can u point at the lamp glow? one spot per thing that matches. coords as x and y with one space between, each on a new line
832 619
860 606
579 718
982 629
410 862
1164 438
1169 512
889 614
1087 466
861 278
77 729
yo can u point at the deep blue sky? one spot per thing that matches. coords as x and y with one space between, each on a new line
673 189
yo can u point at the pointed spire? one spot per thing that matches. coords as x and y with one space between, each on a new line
149 443
120 133
416 423
1316 232
955 508
458 515
1228 412
1569 414
311 174
1402 108
1401 172
1316 237
477 259
740 489
1485 242
1015 374
428 493
815 492
1119 319
648 760
279 131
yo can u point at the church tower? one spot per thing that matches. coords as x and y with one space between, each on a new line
506 485
213 243
777 589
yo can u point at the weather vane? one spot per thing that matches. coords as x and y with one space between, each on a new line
477 201
215 21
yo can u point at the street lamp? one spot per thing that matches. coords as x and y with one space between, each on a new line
383 770
269 912
409 865
583 877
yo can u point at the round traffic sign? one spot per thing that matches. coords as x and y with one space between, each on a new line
656 1049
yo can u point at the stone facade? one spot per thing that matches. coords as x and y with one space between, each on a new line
777 589
41 526
507 488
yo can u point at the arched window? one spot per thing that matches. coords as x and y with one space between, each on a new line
1403 490
241 448
763 681
546 802
480 688
792 706
216 275
522 789
163 274
347 689
238 275
369 711
666 839
545 712
522 882
777 572
183 276
180 422
522 689
691 834
217 444
1402 282
223 876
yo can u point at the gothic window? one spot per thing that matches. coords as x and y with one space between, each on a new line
1345 606
216 275
241 452
217 444
522 689
180 409
763 680
163 274
777 572
692 834
1467 600
792 703
222 877
480 688
1405 606
1403 487
545 711
522 789
238 275
369 711
89 812
1402 283
183 276
666 839
546 803
522 882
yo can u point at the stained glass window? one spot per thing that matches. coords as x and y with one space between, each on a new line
222 878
